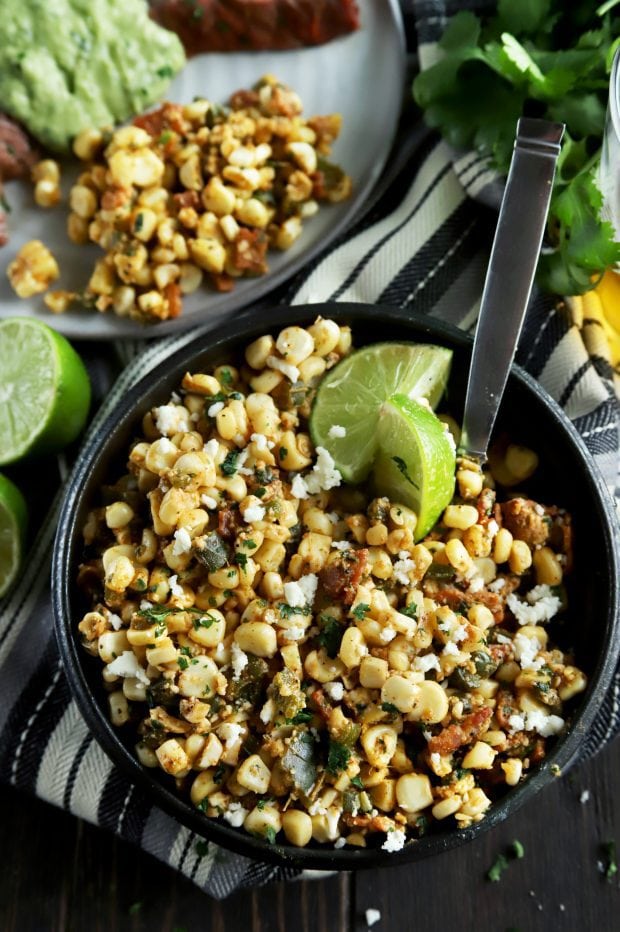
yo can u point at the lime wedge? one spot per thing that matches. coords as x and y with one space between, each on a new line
351 394
13 518
44 390
416 460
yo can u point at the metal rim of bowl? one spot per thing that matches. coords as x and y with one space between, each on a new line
233 338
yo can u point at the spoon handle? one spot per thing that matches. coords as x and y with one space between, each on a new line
510 275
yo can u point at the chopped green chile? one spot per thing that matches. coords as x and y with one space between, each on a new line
300 761
211 551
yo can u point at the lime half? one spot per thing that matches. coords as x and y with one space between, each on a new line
345 415
13 519
416 460
44 390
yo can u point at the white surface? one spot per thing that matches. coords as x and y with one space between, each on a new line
360 76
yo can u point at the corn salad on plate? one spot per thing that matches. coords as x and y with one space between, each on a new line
123 297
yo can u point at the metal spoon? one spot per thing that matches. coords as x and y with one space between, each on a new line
508 284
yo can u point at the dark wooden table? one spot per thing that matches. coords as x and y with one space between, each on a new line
62 875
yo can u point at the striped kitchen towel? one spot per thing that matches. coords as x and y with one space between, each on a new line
424 247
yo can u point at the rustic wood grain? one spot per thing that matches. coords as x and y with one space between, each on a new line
61 875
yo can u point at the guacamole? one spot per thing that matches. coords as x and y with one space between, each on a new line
66 65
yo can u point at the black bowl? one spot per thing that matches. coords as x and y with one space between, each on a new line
568 477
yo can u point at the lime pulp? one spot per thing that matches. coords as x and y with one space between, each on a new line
351 396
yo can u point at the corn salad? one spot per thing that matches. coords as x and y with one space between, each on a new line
284 649
197 193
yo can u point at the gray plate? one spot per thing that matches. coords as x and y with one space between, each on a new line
360 76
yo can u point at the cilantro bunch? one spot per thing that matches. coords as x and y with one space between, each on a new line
540 58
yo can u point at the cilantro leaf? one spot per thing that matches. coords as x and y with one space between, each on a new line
331 634
338 756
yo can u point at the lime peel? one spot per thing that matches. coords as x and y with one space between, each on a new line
45 390
13 521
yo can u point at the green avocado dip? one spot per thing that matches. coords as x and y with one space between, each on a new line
66 65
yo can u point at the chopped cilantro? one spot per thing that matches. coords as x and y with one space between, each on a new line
205 621
229 466
260 491
282 453
411 611
495 872
517 849
338 756
360 611
331 634
270 835
357 781
250 544
183 663
300 718
226 377
421 823
219 773
389 707
241 560
287 611
611 867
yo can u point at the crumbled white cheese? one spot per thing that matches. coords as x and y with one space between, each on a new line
299 488
214 409
436 760
145 605
425 663
182 542
402 568
333 516
341 545
395 840
336 431
235 815
208 502
339 843
230 733
308 585
238 659
335 691
372 916
295 633
526 650
260 440
543 724
317 808
126 664
584 798
538 593
387 635
539 509
171 419
476 584
294 595
266 713
451 650
492 527
324 475
535 611
221 652
211 447
516 722
253 513
459 634
115 621
497 584
175 588
291 372
502 638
